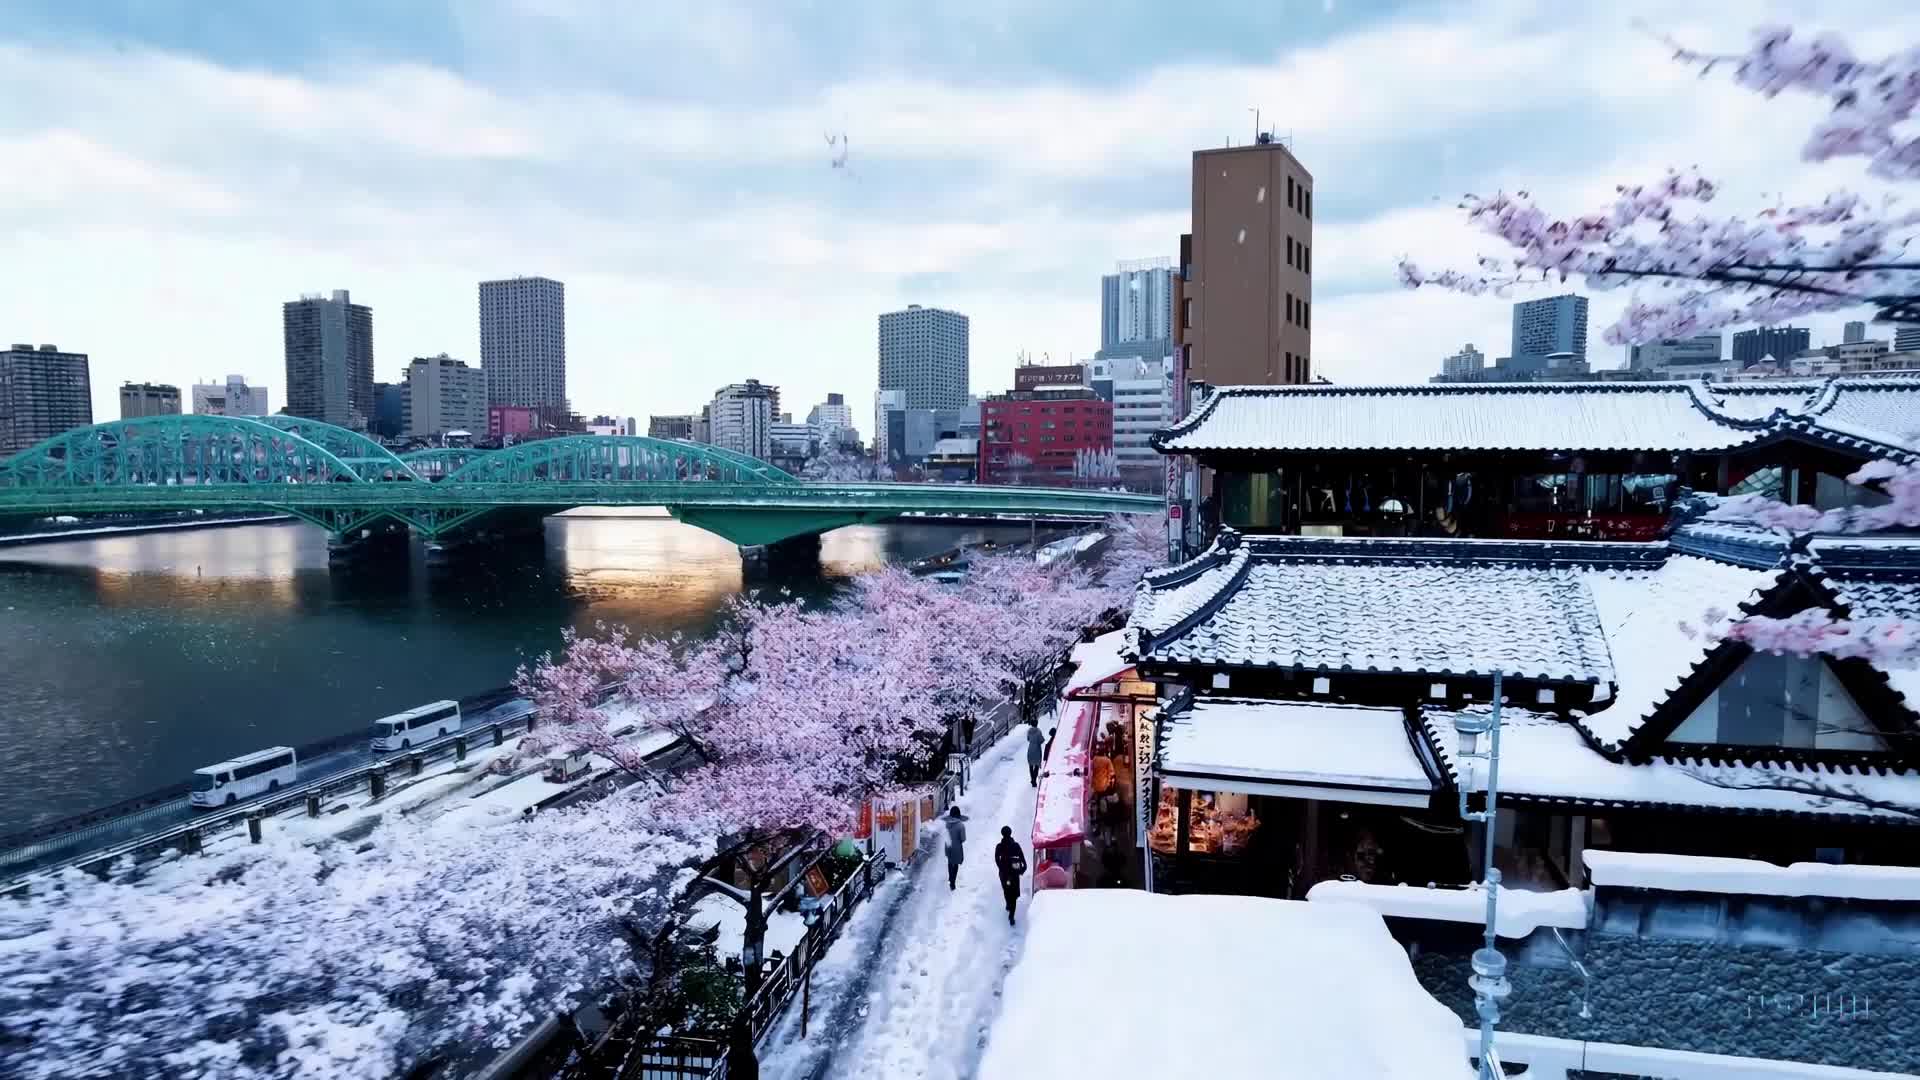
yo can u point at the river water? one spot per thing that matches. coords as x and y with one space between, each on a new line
126 662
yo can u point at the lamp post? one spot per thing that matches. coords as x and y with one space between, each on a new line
810 914
1489 979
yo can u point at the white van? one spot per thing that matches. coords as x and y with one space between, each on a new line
404 731
244 777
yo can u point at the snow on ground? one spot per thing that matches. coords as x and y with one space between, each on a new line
1125 985
909 990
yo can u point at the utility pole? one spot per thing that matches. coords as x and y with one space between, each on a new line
1489 978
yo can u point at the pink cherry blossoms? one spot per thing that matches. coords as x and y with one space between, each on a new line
1696 272
1816 631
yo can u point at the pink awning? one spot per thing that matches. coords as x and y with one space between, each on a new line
1060 812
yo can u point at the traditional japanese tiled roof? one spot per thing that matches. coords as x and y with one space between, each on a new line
1649 416
1882 409
1430 607
1761 398
1544 759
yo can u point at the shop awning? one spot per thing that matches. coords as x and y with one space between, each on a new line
1060 807
1300 750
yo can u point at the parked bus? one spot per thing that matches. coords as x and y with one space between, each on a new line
402 731
244 777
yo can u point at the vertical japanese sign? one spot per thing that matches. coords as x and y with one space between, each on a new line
1145 805
1177 508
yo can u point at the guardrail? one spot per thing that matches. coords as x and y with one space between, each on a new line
190 835
1548 1058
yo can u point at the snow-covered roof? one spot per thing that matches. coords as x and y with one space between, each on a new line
1887 409
1170 596
1750 877
1519 913
1644 615
1233 988
1098 661
1275 602
1545 759
1060 804
1653 416
1341 752
1760 399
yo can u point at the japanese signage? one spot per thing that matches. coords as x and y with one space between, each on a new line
1035 376
1144 802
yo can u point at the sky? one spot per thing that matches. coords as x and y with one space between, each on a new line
175 171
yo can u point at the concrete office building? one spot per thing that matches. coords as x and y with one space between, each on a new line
1244 301
231 398
523 344
43 392
677 426
1552 326
1853 332
329 351
148 399
740 418
1783 343
924 354
1464 364
1668 352
444 395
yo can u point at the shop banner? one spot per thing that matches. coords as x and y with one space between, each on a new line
1145 805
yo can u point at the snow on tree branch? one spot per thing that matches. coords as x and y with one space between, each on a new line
1695 272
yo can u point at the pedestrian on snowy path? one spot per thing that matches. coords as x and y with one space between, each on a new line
742 1062
956 845
1012 863
1034 756
1050 734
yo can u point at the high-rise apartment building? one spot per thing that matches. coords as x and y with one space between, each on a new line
1853 333
231 398
924 355
1672 352
329 346
1906 339
885 404
1782 343
523 343
1244 300
443 395
1136 303
43 392
1554 325
1464 364
740 418
148 399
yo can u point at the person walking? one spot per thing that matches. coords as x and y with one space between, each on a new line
956 846
1012 863
1050 733
1034 756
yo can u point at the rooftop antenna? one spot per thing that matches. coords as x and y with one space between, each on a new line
1257 129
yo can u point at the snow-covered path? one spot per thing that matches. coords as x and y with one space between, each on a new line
911 987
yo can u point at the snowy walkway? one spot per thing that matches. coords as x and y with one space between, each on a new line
913 984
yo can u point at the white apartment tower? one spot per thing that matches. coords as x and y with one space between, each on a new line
232 398
741 418
523 342
442 395
924 355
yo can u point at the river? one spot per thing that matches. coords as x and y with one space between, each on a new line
126 662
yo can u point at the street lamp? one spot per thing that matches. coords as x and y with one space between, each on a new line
1489 979
809 914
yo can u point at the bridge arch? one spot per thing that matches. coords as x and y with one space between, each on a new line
436 462
167 451
614 458
369 459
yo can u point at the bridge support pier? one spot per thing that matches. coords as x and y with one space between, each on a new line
794 555
490 532
383 540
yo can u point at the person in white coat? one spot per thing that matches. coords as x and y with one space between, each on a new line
956 845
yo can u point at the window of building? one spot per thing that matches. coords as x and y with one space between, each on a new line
1781 700
1306 258
1289 192
1289 251
1186 312
1289 308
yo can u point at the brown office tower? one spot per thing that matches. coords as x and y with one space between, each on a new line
1246 294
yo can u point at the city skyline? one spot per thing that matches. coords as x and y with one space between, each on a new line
690 262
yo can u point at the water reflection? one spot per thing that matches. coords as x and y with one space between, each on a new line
128 661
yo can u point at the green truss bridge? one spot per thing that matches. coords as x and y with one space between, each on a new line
347 483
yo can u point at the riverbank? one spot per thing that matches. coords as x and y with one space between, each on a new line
80 530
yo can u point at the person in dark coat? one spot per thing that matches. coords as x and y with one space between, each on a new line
1034 755
1012 864
1050 733
956 846
742 1062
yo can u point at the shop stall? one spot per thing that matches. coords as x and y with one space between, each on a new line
1087 825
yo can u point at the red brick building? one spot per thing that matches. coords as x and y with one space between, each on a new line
1033 436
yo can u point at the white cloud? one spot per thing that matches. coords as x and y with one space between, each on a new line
705 239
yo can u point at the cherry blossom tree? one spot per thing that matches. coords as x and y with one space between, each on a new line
343 960
1693 272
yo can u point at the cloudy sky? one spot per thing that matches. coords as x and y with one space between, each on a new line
171 175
